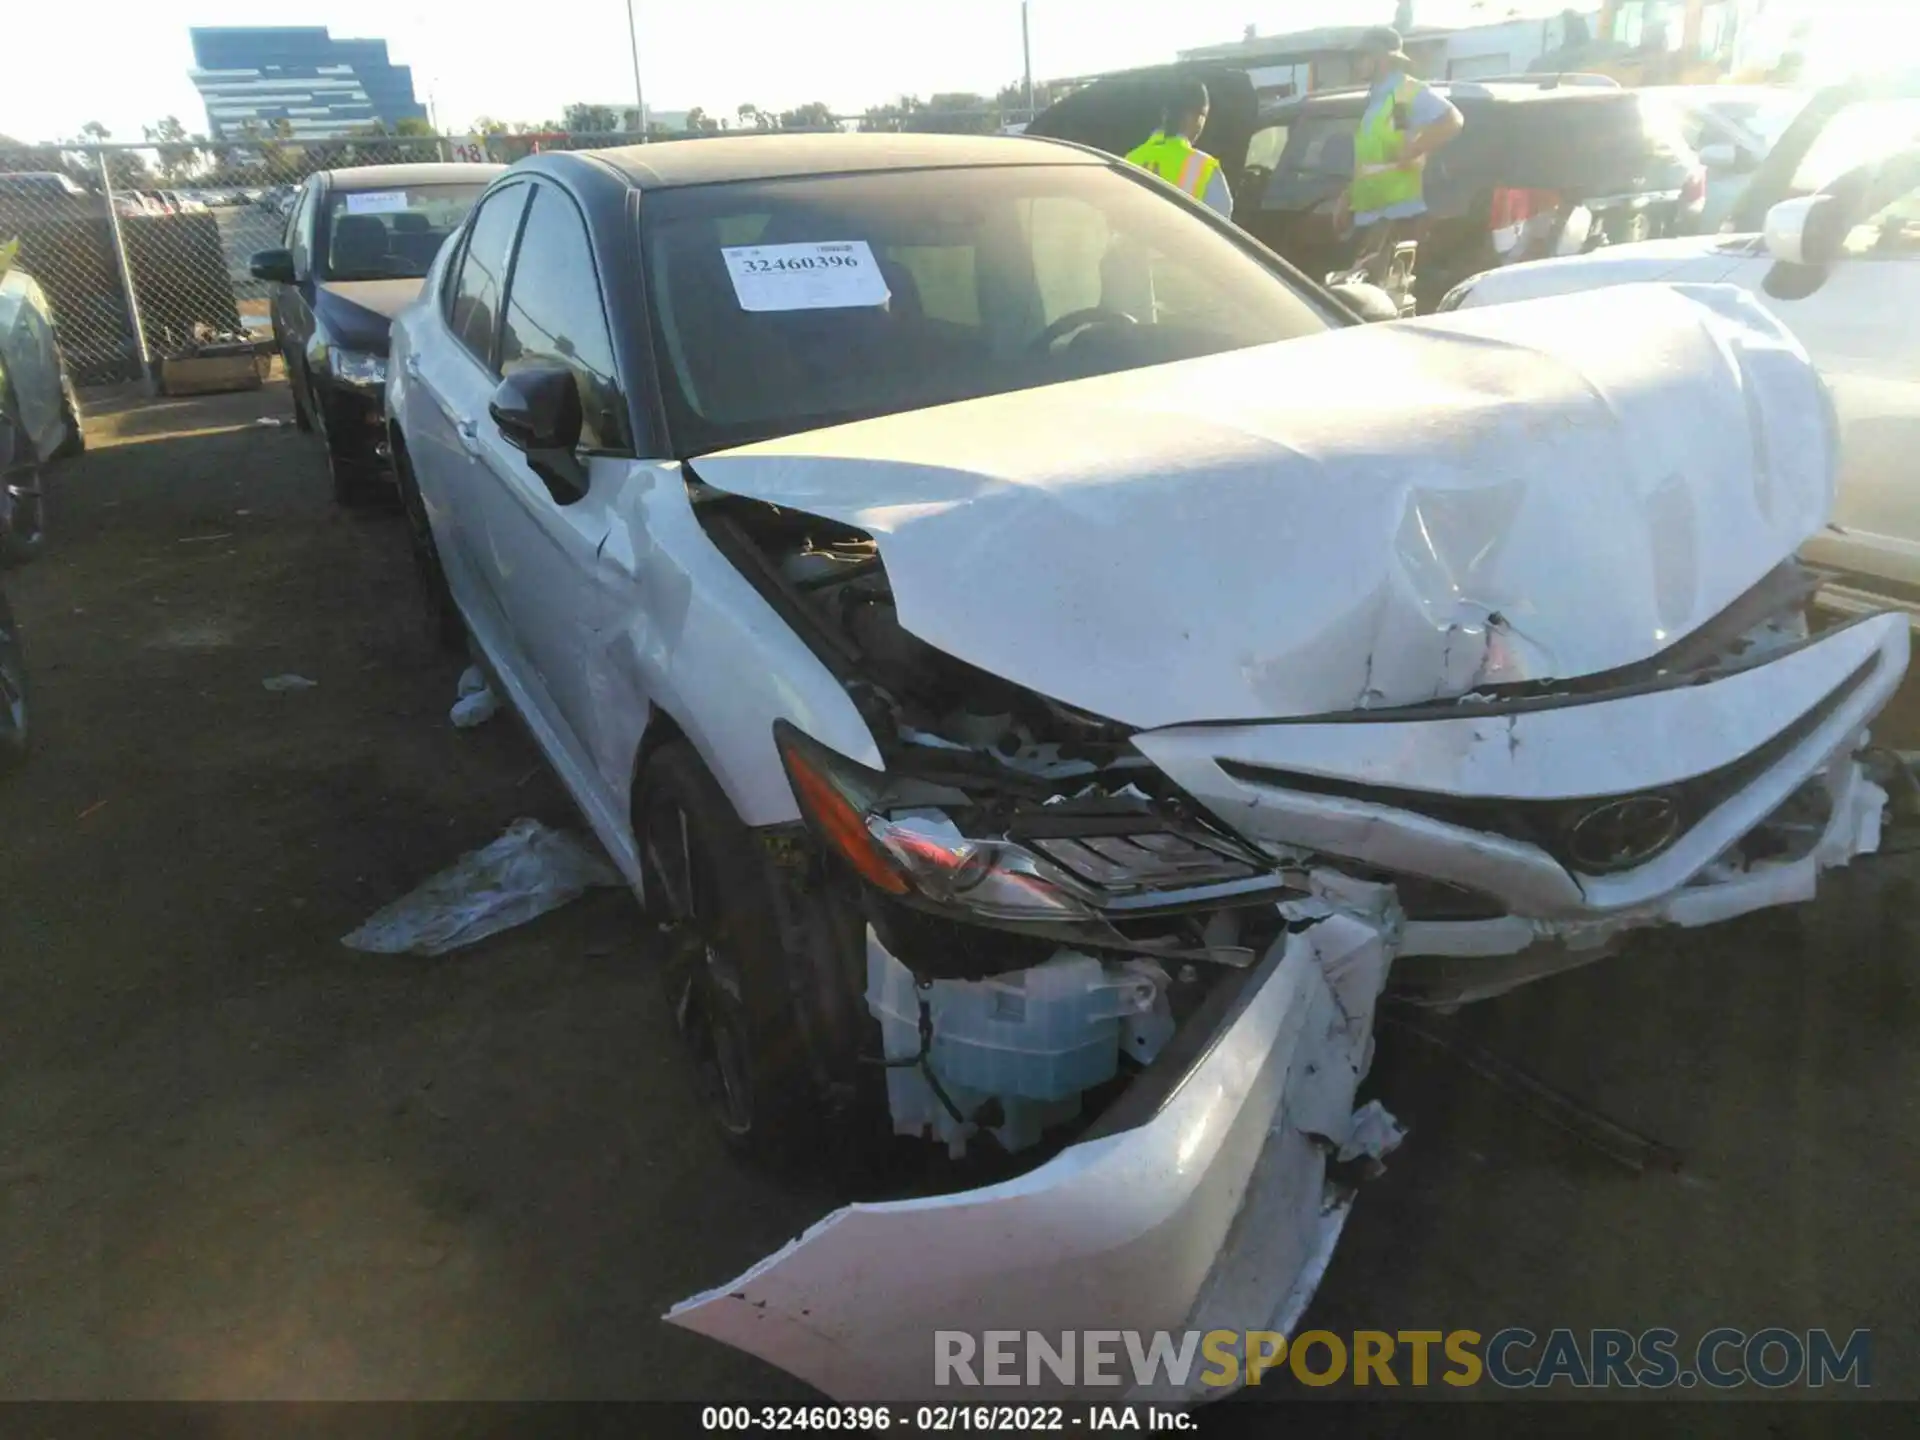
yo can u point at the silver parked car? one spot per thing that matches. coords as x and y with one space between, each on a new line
39 413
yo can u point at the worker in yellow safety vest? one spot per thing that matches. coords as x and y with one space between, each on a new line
1171 153
1404 122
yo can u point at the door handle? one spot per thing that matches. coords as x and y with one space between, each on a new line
413 366
469 434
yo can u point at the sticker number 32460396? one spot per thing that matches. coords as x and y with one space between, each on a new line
817 275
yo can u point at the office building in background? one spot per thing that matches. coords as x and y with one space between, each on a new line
322 87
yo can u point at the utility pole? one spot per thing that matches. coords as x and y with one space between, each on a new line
639 97
125 266
1026 50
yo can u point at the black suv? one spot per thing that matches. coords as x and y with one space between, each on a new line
1544 167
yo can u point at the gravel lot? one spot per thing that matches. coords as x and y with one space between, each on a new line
237 1160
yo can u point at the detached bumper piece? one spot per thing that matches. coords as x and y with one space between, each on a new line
1201 1200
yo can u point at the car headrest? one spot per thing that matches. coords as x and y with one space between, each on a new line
359 243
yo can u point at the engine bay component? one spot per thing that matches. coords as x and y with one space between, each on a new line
1012 1054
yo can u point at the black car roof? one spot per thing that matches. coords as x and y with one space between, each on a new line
1353 99
675 163
382 177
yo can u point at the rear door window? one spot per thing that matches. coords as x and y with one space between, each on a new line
1321 145
1592 145
474 312
1315 162
1266 148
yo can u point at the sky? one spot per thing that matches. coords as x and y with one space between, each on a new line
125 62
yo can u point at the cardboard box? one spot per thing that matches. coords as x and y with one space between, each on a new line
210 372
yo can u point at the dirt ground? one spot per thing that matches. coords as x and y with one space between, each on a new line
238 1160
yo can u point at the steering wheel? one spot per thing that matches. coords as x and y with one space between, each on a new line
1076 320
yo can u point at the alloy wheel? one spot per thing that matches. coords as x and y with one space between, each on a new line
703 985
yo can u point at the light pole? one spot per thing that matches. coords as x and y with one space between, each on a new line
1026 50
639 97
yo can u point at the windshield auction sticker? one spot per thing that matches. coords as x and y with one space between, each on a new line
819 275
375 202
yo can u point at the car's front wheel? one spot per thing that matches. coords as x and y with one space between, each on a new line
448 624
708 894
13 692
355 483
23 503
74 442
299 387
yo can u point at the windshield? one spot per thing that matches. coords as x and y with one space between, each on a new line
391 234
784 305
1863 133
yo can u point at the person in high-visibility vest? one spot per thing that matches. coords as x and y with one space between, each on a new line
1171 154
1403 124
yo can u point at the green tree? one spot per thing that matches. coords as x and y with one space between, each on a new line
582 119
1012 101
128 168
959 112
178 152
896 115
701 123
752 117
814 116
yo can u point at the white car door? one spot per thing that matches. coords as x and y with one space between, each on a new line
542 554
452 375
1858 323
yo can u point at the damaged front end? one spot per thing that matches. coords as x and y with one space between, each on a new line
1077 975
1127 909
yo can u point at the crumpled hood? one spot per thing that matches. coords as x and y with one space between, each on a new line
1379 516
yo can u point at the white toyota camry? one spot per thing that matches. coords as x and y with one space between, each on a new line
1046 668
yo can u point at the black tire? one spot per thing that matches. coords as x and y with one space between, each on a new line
355 486
355 483
450 628
724 973
23 508
297 384
75 441
14 730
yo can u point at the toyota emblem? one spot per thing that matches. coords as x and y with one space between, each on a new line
1620 834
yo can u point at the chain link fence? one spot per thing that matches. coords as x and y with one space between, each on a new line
143 250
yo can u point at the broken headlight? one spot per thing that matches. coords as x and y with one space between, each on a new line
907 843
361 369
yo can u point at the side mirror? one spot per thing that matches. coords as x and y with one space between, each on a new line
537 411
274 265
1804 231
1725 157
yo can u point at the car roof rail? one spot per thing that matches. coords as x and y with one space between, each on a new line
1553 80
1477 87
